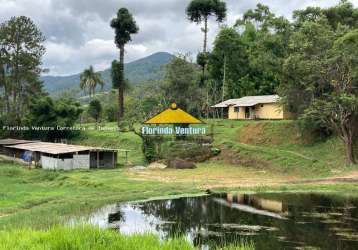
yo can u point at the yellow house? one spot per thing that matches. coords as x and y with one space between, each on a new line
254 107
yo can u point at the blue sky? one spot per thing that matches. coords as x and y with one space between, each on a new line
78 32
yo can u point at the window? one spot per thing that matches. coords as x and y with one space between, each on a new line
237 109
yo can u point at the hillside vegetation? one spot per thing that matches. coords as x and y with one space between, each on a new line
279 146
270 145
137 72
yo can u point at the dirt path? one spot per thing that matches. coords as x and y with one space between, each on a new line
243 178
352 177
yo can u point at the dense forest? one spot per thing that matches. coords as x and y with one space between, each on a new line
311 61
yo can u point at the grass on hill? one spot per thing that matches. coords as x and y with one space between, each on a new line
89 237
278 146
275 146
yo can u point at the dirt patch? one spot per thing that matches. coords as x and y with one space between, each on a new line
4 215
232 157
269 133
349 178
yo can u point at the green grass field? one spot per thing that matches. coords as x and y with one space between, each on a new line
88 237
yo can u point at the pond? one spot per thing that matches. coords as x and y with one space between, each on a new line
270 220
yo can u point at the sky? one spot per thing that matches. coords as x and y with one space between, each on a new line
78 33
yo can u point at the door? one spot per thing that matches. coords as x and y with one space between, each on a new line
247 113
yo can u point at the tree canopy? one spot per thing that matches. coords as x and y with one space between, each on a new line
89 80
21 51
124 26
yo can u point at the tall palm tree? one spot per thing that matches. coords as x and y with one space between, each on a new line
200 10
124 26
89 79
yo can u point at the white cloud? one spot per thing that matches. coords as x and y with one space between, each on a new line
78 32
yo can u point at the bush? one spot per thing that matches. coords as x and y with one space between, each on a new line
186 150
312 130
150 147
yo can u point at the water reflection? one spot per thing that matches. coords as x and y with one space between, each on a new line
272 221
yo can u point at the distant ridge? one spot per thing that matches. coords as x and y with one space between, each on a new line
137 72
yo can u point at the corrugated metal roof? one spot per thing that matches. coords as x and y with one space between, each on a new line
248 101
13 141
55 148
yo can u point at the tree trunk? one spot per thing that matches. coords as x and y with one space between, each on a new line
223 88
204 67
121 85
349 151
205 34
347 133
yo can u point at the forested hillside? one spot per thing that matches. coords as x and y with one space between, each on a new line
145 69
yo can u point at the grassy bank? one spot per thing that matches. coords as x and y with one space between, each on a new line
87 237
278 146
39 199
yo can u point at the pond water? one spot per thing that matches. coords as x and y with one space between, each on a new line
271 221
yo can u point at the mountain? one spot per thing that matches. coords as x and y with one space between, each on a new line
139 71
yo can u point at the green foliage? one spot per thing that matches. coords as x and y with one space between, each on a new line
111 113
199 10
180 85
95 109
22 48
45 112
250 57
186 150
303 68
116 75
124 26
320 77
202 59
342 14
151 148
89 80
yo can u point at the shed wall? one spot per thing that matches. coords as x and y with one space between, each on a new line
81 161
78 162
48 163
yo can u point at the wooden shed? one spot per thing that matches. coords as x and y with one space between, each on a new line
58 156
